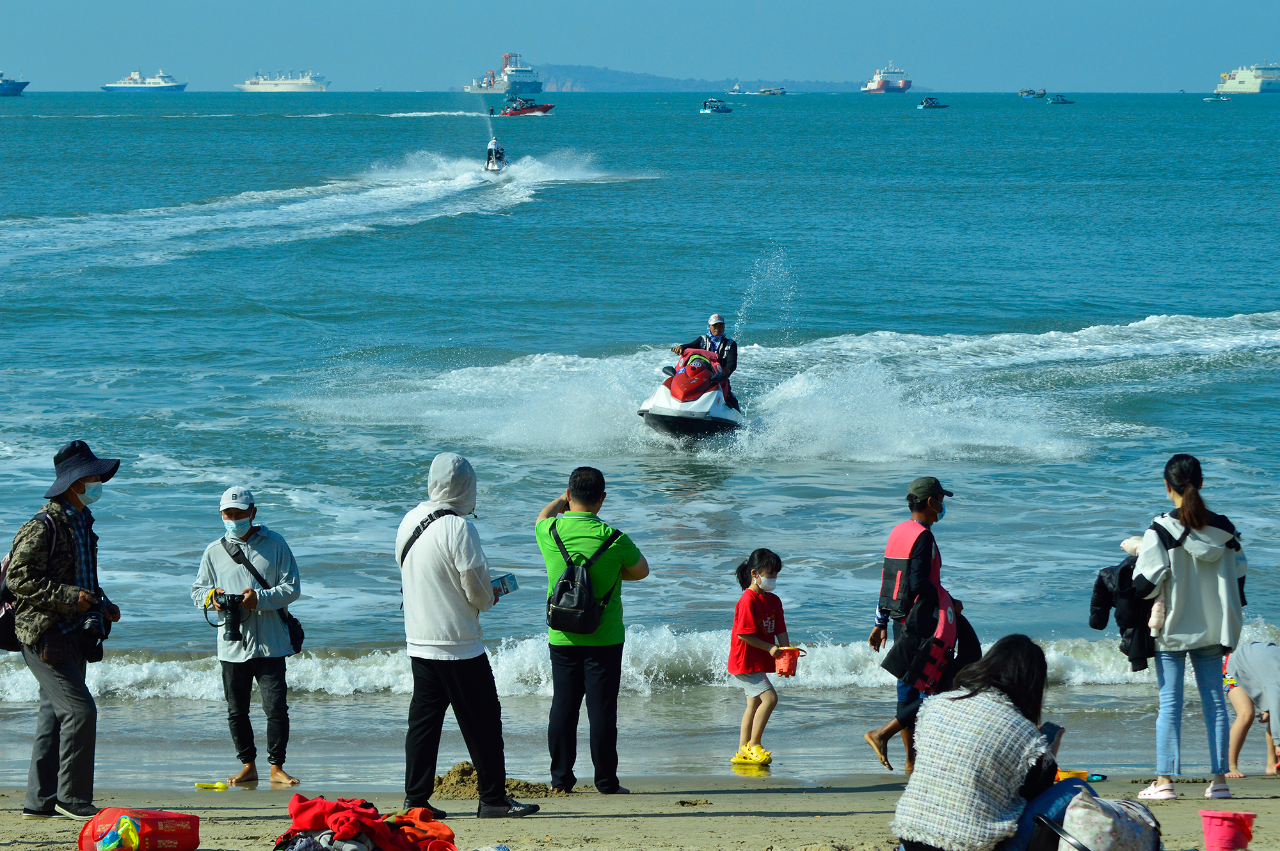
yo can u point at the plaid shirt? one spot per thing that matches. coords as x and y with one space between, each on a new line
86 570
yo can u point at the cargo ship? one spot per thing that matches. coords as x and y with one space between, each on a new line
516 79
1256 79
135 82
11 88
888 79
308 82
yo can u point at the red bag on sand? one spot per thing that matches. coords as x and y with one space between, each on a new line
158 830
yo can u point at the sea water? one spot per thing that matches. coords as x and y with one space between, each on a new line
313 294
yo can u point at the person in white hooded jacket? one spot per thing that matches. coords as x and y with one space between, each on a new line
446 587
1191 559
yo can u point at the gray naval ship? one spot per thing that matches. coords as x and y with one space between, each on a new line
10 87
516 79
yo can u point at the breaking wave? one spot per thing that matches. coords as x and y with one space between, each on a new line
655 660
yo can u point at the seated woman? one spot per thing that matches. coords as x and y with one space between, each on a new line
984 768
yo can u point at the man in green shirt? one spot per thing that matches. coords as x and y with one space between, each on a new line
587 664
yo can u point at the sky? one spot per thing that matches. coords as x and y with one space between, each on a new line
406 45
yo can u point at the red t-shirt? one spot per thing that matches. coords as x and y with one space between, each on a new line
758 614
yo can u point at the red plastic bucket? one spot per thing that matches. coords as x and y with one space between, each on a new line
1226 831
786 662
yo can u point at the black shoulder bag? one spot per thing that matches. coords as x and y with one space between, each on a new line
572 606
296 633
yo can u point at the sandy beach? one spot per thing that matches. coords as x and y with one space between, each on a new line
840 814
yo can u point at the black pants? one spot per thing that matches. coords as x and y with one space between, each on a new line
468 686
594 673
237 685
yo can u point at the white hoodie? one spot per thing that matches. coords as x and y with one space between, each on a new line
445 574
1201 579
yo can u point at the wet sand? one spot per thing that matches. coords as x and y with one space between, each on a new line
840 814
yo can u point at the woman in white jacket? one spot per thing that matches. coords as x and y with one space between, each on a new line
1192 560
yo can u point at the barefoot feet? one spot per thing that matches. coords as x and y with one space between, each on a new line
280 778
878 744
248 774
1234 774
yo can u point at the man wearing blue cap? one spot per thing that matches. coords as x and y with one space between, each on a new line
61 617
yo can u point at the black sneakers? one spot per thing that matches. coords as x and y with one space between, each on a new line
436 813
81 812
616 790
511 809
41 814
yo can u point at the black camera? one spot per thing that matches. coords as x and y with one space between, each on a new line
230 604
94 625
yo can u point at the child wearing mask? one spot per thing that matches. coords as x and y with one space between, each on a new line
758 632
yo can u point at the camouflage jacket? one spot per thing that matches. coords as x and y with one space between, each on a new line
44 585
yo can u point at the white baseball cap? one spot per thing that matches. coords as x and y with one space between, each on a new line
716 319
236 497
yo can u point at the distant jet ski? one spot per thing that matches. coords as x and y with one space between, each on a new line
496 158
691 402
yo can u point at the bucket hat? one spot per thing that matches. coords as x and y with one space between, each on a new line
76 461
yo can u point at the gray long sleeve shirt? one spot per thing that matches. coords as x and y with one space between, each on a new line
264 631
1255 666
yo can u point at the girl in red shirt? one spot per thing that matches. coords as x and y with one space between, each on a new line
758 632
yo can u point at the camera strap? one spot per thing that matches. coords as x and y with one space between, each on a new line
238 556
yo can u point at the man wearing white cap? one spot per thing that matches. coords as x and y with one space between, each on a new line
715 340
257 560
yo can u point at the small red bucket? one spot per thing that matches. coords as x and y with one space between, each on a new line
1226 831
787 661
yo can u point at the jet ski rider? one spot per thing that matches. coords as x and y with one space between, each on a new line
715 340
496 154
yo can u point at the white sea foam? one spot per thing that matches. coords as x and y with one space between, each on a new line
656 659
433 114
421 187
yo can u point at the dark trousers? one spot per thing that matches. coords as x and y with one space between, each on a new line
468 686
596 674
237 686
66 732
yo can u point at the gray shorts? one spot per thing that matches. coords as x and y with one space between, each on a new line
754 684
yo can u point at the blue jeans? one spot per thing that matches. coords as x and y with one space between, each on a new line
1052 802
1171 666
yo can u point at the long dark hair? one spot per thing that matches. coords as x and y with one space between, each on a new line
762 561
1182 473
1015 667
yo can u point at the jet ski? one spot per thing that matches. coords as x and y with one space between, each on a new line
691 402
495 159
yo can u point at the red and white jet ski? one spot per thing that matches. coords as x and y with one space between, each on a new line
691 402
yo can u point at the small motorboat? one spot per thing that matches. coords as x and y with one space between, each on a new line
1216 97
1058 99
931 103
714 105
526 106
691 401
1031 93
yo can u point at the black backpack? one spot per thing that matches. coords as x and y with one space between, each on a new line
572 606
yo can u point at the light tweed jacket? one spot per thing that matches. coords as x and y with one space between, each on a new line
974 756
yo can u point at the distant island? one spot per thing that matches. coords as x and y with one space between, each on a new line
589 78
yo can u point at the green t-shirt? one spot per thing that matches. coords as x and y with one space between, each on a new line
583 534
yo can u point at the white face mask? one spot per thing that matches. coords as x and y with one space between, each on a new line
239 528
92 493
766 583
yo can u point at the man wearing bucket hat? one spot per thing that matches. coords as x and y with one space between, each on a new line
912 596
715 340
259 654
61 617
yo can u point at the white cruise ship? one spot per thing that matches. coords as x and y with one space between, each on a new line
279 82
1256 79
888 79
516 79
135 82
